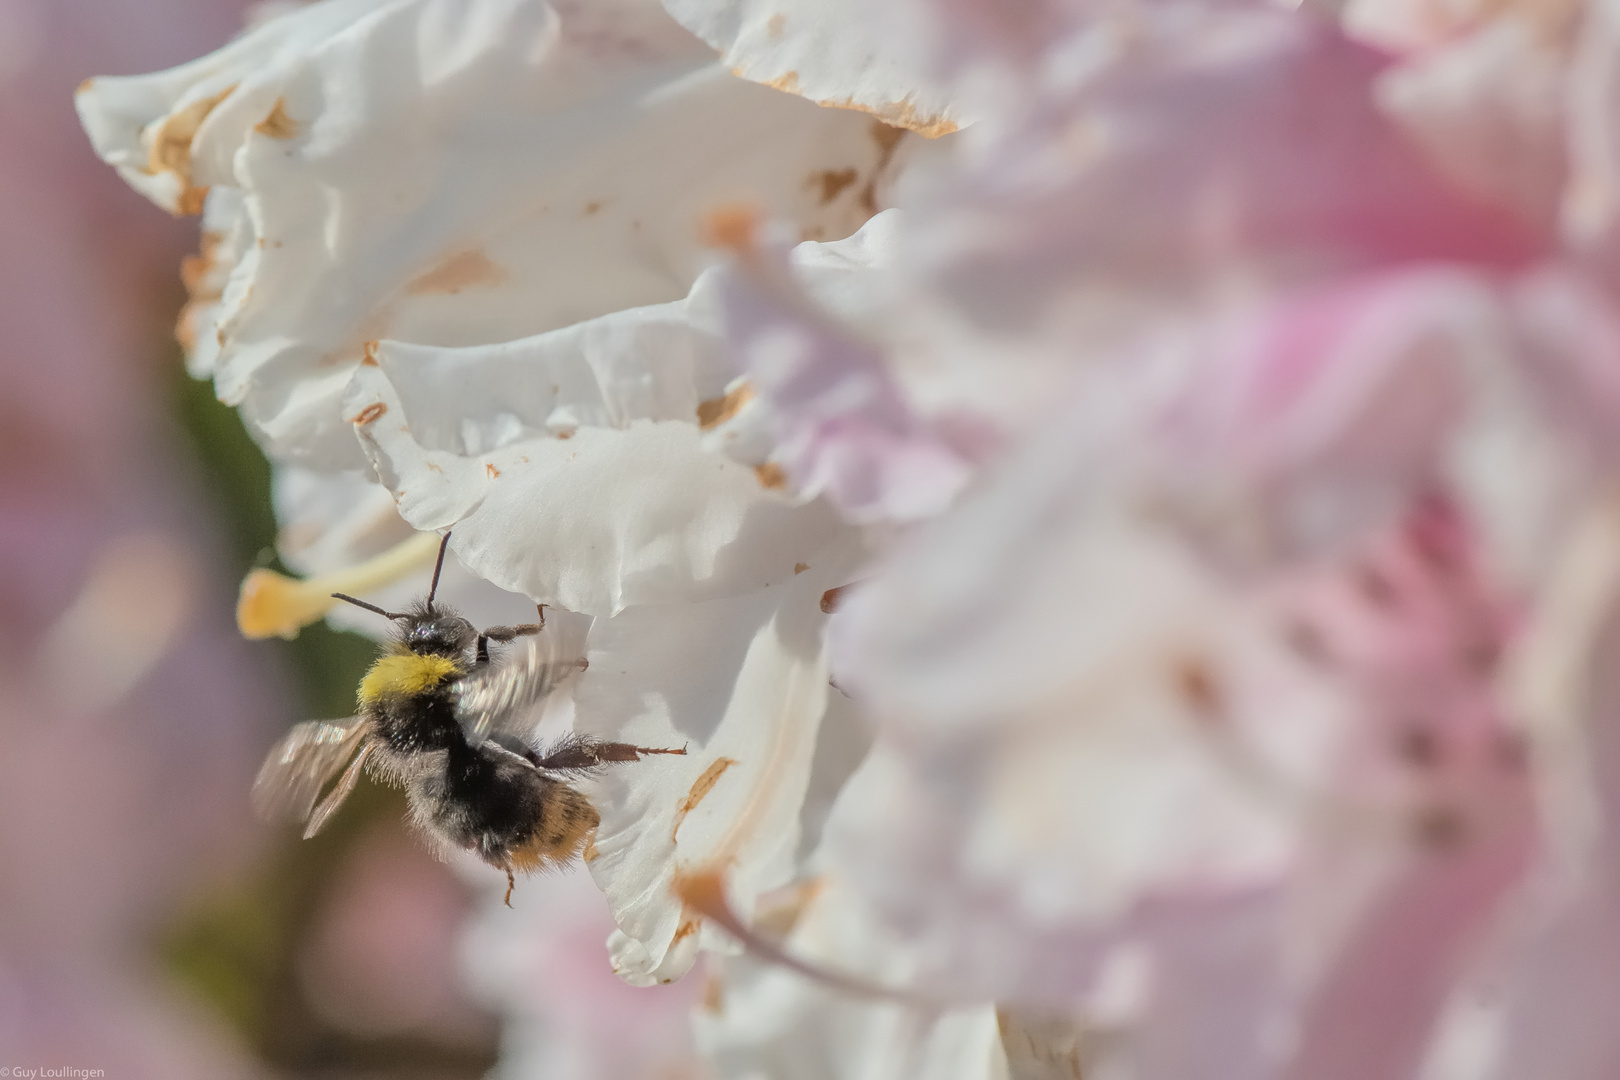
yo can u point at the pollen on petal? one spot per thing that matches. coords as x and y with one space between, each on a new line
770 475
467 270
716 411
278 125
734 227
700 788
370 413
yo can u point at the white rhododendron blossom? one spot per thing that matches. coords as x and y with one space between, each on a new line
454 174
1134 578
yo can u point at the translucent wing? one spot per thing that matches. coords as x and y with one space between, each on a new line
505 698
340 791
301 765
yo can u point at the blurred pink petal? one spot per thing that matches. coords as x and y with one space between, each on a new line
382 956
842 427
571 1017
1192 156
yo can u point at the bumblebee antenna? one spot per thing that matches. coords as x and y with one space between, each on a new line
433 588
369 607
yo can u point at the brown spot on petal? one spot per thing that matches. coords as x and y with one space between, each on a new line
369 413
170 148
714 994
834 597
195 269
887 138
591 208
774 26
1374 587
832 182
185 328
195 272
1481 657
687 928
464 271
771 475
589 852
1417 746
1195 682
82 87
800 567
700 788
1439 828
897 115
490 468
732 227
1307 642
569 434
788 84
716 411
278 125
190 203
368 354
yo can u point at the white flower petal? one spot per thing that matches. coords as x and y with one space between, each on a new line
742 684
593 518
834 52
761 1020
455 172
146 126
842 426
1009 890
227 234
332 522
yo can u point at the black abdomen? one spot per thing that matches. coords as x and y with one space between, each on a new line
486 800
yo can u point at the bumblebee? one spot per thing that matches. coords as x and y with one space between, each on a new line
439 718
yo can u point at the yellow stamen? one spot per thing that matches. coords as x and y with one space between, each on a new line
275 605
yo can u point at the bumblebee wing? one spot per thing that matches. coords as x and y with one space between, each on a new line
340 791
505 698
301 765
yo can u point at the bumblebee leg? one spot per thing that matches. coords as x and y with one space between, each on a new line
511 883
584 754
506 633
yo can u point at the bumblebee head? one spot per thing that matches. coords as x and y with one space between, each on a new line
425 628
436 631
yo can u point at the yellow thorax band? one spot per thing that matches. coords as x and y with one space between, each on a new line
403 674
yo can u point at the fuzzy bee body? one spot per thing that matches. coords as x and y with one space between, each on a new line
437 717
